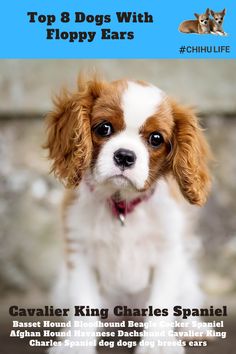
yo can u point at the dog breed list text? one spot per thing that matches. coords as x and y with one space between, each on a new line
129 333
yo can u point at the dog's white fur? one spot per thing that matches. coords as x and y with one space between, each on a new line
140 102
142 263
154 243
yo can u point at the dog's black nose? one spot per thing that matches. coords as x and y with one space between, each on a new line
124 158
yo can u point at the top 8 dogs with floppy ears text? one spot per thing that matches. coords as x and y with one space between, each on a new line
132 159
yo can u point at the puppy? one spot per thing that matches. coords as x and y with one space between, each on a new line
201 25
216 23
132 159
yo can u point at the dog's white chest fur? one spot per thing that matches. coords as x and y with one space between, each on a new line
124 256
124 261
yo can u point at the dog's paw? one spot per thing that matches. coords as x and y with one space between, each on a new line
56 350
66 350
159 350
222 33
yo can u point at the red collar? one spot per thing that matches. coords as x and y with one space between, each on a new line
121 208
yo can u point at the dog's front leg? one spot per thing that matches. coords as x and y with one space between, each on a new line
80 290
222 33
164 295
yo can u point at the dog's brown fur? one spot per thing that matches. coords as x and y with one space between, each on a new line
71 143
201 25
216 23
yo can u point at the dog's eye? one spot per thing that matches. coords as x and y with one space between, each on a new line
155 139
104 129
207 18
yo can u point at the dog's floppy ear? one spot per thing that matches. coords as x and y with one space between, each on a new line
196 15
190 155
69 132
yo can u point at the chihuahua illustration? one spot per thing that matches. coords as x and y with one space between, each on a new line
201 25
216 23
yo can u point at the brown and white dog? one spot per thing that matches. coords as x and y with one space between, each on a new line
216 23
201 25
132 157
